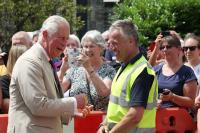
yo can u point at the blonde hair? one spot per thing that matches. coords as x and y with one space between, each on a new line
15 52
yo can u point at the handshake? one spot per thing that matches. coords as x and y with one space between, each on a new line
82 105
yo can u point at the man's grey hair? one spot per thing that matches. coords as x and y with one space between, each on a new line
21 37
95 37
127 27
51 24
75 38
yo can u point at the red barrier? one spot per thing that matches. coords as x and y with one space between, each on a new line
3 123
169 120
174 120
90 124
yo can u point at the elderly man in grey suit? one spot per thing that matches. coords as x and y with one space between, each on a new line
36 100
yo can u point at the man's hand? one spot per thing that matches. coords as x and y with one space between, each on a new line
84 112
103 129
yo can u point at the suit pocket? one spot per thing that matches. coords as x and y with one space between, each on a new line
35 128
41 126
32 128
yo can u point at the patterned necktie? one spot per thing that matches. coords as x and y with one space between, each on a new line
57 84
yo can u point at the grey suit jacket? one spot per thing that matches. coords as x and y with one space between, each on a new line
35 106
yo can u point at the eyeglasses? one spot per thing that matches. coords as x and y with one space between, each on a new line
166 47
191 48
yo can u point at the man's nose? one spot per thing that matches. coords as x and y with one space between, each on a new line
70 46
87 49
111 46
64 45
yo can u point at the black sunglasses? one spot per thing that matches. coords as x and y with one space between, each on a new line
191 48
166 47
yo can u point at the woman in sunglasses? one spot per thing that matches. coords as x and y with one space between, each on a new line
176 82
192 51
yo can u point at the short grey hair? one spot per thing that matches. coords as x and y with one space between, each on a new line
95 37
127 27
51 24
75 38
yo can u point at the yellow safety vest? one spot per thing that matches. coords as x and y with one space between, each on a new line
120 97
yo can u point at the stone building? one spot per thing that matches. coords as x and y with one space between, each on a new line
97 15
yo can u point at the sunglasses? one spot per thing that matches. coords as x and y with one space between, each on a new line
166 47
191 48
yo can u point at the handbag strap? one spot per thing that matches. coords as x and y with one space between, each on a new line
88 90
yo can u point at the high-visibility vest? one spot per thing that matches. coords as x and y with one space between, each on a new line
120 97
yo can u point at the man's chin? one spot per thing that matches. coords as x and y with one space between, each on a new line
117 57
57 55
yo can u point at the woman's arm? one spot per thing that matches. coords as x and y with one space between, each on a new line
64 67
155 52
189 94
65 84
188 98
103 86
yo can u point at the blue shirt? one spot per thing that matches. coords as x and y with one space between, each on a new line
174 82
109 54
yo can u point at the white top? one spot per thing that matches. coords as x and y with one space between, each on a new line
197 72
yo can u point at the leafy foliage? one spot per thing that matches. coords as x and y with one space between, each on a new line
28 15
187 14
153 16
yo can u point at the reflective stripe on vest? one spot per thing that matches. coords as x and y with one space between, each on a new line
134 130
143 130
122 99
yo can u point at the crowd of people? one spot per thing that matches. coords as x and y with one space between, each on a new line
54 76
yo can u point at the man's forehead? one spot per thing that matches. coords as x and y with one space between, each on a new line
20 35
62 33
115 33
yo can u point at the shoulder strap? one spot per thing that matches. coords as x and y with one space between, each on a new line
88 91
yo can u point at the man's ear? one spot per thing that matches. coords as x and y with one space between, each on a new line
131 40
45 34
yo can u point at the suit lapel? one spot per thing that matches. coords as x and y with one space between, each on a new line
46 65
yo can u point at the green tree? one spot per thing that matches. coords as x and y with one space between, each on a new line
187 14
153 16
28 15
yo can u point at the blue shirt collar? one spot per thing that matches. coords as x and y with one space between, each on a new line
132 60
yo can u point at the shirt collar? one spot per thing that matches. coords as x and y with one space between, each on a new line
43 51
132 60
